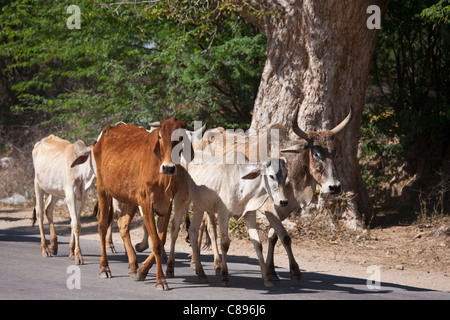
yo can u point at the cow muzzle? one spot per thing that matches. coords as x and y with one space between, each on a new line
284 202
168 169
331 188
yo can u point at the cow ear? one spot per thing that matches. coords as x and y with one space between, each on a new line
157 150
252 174
81 159
298 148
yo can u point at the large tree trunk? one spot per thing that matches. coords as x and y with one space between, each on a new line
318 56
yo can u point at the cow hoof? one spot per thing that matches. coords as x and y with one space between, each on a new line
170 274
274 277
218 269
54 251
268 284
203 279
112 249
79 259
46 253
140 276
162 286
225 283
105 274
297 278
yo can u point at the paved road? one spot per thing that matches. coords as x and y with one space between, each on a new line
24 274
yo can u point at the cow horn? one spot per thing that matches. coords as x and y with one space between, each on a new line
344 122
204 128
189 128
295 127
155 124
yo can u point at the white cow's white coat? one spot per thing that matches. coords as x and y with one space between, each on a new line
54 177
230 190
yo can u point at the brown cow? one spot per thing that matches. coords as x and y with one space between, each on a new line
135 167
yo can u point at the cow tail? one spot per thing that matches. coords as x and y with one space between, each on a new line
207 244
188 224
95 211
33 218
111 212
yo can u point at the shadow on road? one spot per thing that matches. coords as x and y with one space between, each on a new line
244 272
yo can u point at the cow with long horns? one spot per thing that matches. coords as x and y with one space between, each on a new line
310 163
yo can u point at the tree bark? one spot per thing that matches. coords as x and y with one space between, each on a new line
318 56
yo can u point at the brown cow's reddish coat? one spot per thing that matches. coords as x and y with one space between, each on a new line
135 167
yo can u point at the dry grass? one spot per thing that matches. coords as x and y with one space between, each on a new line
17 142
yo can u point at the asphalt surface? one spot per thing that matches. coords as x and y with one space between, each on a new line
25 274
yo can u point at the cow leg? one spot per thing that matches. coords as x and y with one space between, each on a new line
103 216
275 223
212 226
143 245
109 240
225 245
180 205
49 206
117 209
174 230
40 213
201 231
162 224
272 240
193 234
124 221
250 221
74 207
149 219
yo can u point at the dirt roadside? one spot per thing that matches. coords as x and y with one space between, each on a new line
413 255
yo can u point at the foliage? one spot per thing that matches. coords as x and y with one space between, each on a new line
411 74
438 13
133 63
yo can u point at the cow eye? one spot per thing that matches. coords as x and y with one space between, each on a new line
320 167
272 177
159 136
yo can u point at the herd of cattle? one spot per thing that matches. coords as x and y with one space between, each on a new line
153 170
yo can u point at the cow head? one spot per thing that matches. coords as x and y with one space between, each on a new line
274 173
170 135
84 156
321 148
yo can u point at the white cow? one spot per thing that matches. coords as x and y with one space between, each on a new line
54 176
230 190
